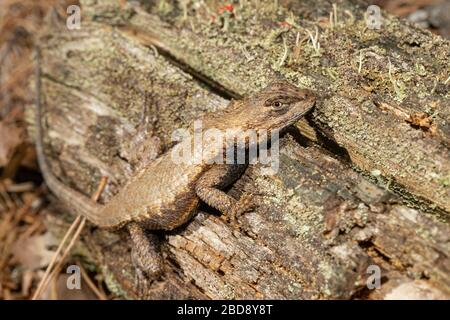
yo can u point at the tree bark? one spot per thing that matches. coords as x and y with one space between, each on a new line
363 181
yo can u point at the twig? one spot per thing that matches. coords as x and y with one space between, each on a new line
58 267
155 51
350 14
285 53
314 39
20 187
395 85
360 61
78 223
247 54
100 295
55 257
4 194
335 14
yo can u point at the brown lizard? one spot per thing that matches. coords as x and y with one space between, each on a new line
164 195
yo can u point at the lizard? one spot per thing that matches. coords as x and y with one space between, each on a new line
164 195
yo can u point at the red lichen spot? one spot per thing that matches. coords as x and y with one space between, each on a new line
421 120
213 18
285 24
226 8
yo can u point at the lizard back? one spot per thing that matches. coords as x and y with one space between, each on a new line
162 196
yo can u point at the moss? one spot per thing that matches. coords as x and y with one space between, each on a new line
165 7
227 292
113 285
430 209
445 181
215 53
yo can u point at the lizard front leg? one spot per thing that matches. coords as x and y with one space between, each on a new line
146 257
209 190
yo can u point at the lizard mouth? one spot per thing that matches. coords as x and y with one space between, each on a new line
300 114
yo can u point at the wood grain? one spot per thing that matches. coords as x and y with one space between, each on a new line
353 177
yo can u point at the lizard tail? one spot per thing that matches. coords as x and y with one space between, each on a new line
78 202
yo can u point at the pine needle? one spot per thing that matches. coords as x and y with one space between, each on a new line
77 224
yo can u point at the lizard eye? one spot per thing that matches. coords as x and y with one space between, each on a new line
277 104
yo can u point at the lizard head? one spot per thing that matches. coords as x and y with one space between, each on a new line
277 106
272 109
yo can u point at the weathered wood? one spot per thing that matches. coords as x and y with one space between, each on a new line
319 224
403 74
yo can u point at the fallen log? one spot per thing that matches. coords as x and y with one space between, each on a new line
362 183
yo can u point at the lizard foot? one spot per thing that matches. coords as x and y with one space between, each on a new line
146 257
146 271
142 284
245 204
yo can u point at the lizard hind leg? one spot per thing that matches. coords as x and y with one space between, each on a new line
146 256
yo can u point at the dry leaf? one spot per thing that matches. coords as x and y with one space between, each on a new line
60 291
33 253
11 138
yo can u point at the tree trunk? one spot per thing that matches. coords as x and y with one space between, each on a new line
363 181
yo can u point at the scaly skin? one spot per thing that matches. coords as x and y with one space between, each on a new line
165 195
